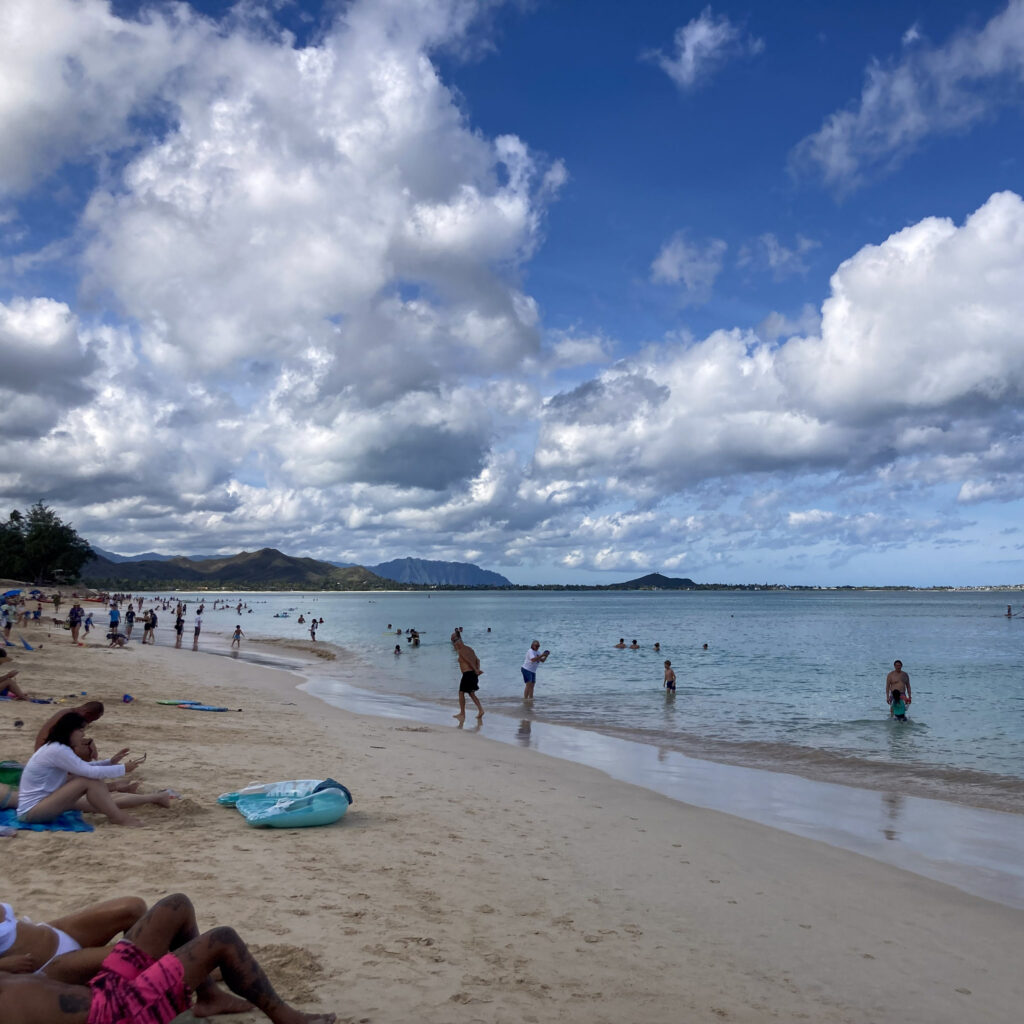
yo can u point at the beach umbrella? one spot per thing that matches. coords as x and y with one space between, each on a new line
12 593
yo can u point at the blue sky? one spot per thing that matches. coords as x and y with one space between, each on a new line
576 291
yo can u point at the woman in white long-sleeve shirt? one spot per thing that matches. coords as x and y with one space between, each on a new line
56 780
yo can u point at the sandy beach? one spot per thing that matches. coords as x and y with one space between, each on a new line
475 881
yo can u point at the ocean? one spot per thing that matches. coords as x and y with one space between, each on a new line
782 719
790 680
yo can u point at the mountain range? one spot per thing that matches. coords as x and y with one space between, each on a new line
269 568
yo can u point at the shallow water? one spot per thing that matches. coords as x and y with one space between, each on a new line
769 695
790 680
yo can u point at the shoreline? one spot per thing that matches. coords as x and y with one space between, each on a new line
980 854
964 787
474 880
979 847
960 787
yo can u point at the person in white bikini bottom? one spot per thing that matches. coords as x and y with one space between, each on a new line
69 948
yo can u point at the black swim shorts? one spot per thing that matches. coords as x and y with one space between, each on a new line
469 682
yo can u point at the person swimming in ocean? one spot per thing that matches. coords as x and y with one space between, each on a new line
670 678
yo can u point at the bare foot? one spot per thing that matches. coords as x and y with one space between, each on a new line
461 718
481 715
220 1002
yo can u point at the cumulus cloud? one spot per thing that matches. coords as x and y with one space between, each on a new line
45 363
309 326
919 357
928 91
74 74
693 265
701 47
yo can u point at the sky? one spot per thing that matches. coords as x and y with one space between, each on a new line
576 290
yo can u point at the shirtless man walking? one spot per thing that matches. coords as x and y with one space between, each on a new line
469 663
149 977
897 681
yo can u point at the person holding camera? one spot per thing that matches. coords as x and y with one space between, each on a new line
534 656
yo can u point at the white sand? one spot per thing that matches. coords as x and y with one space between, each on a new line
474 881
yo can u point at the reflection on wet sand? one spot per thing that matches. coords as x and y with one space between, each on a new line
894 807
523 732
974 849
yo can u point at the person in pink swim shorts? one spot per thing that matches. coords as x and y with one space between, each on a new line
149 978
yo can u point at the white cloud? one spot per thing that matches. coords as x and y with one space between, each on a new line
767 252
778 325
312 329
701 46
928 91
912 35
72 74
919 352
44 366
693 265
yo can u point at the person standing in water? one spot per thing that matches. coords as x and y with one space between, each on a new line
534 657
670 678
469 663
897 682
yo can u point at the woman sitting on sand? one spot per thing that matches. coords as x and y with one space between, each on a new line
56 780
8 687
69 948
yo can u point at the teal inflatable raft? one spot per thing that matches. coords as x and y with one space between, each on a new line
298 803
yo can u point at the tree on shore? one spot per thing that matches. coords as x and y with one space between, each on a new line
38 545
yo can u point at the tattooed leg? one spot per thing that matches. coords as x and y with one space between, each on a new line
168 926
223 948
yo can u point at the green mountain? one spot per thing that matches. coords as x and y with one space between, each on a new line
266 569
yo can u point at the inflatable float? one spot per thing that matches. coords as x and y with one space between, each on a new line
298 803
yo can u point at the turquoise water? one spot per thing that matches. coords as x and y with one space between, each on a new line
790 680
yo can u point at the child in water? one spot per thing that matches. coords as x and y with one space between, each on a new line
899 706
670 678
236 637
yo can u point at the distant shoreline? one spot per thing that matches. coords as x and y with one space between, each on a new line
398 588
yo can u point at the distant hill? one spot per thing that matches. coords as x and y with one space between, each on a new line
266 569
655 581
450 574
113 556
155 556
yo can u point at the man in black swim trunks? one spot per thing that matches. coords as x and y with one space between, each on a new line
470 683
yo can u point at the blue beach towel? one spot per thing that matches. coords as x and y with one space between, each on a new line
69 821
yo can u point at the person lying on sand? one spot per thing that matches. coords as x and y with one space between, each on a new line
148 978
56 780
69 948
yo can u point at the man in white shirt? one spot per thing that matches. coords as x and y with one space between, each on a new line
533 659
